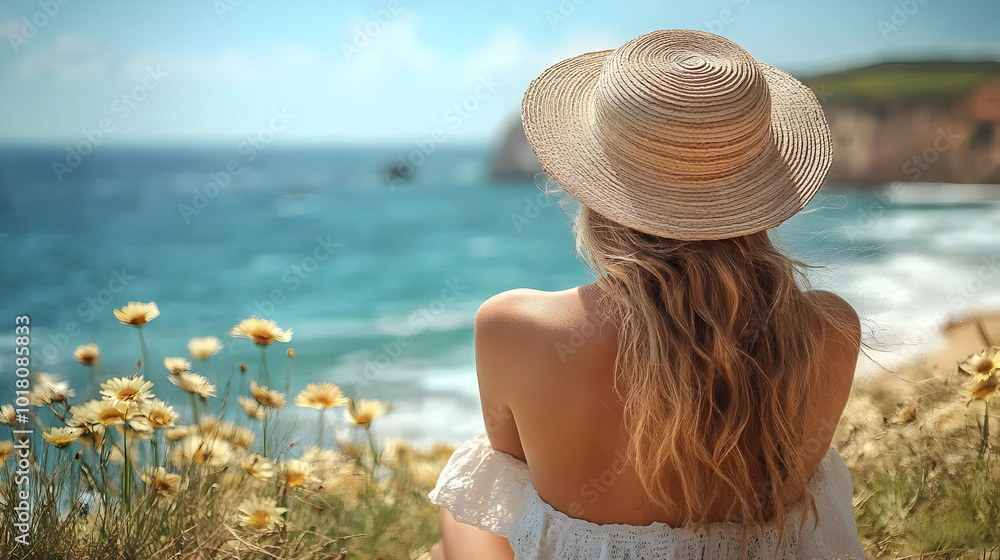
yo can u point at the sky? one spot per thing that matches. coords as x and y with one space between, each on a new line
317 72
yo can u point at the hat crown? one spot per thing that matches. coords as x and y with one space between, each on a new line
681 106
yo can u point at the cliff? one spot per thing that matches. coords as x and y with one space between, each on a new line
900 121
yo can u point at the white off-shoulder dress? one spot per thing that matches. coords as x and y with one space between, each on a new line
493 491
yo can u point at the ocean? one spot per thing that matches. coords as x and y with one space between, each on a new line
380 280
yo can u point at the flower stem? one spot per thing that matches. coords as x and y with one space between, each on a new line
986 431
194 410
288 376
319 436
265 375
266 414
145 354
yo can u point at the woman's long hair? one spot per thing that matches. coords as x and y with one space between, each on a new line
716 359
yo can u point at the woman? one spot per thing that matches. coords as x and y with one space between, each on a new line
683 404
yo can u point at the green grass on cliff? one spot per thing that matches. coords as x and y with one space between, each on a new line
905 81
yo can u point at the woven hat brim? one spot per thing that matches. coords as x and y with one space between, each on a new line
557 115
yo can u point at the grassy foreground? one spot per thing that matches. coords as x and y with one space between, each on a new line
122 475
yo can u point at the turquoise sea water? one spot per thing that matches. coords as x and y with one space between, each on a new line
381 283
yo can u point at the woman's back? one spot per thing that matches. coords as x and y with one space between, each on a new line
546 361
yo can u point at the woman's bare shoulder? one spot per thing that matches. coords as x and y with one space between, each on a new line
525 313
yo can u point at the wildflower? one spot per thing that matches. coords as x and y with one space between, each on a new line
242 437
133 390
137 314
295 473
251 407
261 331
321 396
905 414
196 450
291 353
92 436
984 388
213 426
194 383
243 367
87 354
364 411
257 466
177 365
981 366
47 389
161 415
62 437
8 415
161 481
259 514
180 432
267 397
6 451
204 348
99 412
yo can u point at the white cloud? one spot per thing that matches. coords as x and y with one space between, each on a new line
71 58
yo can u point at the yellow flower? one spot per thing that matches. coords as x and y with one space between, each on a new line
295 473
8 415
204 348
982 365
261 331
103 413
47 389
87 354
364 411
133 389
196 450
213 426
984 388
160 415
321 396
137 314
180 432
6 451
161 481
242 437
259 514
177 365
257 466
62 437
251 407
267 397
194 383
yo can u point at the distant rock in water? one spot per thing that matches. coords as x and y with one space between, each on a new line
395 173
514 162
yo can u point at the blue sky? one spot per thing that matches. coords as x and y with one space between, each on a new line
215 71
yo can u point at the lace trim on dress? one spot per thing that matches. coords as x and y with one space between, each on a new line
493 491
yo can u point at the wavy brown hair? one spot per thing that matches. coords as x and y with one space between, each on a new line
717 354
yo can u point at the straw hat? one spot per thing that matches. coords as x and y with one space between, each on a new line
680 134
